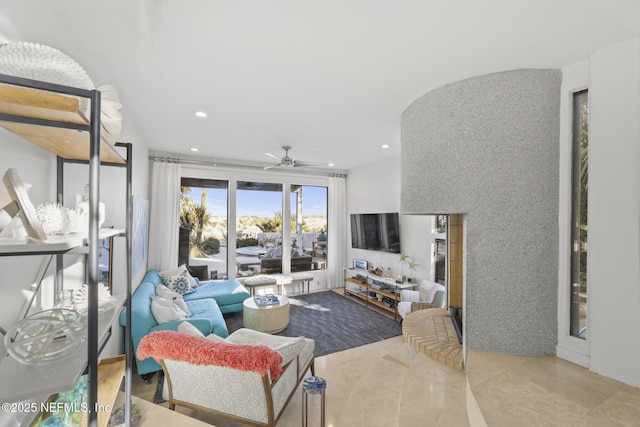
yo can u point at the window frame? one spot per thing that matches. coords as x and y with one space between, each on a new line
575 350
232 176
576 328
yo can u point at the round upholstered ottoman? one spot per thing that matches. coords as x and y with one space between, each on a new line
268 318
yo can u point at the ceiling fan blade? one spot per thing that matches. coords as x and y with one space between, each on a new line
301 163
287 161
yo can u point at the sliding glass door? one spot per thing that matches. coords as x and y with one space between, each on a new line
203 227
259 227
309 227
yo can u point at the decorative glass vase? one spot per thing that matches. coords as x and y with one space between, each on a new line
64 299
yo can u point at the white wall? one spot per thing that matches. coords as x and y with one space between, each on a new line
375 188
612 76
614 212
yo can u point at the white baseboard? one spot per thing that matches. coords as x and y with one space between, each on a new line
573 356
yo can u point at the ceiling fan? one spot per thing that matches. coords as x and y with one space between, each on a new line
287 161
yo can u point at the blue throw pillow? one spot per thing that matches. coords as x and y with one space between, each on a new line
178 280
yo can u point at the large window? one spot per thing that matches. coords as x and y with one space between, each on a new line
259 228
203 226
579 228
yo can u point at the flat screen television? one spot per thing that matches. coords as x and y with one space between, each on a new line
376 232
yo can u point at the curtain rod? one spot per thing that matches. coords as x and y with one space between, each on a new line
215 163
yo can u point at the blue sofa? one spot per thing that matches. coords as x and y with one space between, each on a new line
207 304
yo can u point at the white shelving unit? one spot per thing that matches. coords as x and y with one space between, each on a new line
50 116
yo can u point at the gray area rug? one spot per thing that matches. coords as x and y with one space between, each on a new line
333 321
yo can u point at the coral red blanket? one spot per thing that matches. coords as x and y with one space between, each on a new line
201 351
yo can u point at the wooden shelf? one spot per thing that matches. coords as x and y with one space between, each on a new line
36 104
362 296
40 104
371 285
385 293
370 300
377 303
110 373
355 282
21 382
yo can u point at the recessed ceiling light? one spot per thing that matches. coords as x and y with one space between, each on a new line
331 164
385 146
201 114
194 149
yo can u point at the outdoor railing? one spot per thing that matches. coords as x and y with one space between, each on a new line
301 240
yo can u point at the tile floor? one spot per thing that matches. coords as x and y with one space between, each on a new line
520 391
378 384
386 384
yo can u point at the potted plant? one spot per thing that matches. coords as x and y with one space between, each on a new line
412 267
404 259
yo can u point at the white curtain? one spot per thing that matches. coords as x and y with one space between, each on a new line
164 212
337 232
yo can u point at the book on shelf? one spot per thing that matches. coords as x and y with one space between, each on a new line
269 299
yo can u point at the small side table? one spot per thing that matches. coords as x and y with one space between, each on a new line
269 318
313 385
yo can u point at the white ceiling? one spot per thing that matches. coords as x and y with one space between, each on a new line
330 78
